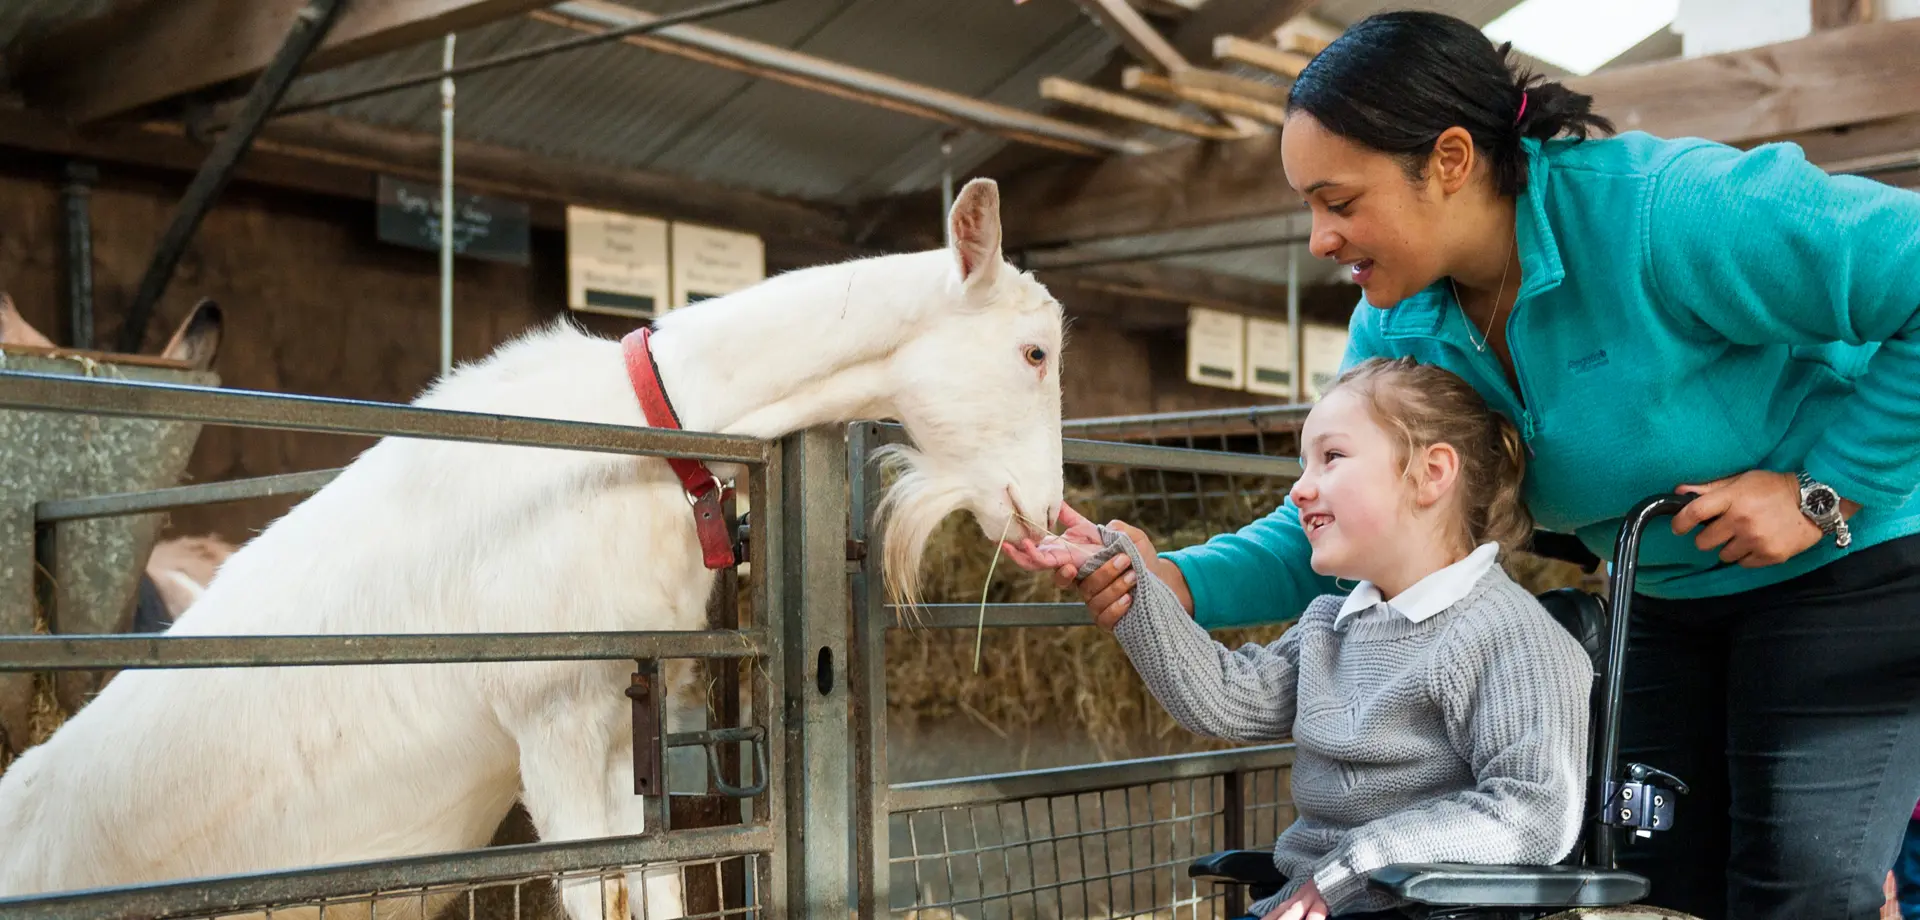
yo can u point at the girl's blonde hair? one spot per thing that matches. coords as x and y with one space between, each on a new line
1426 405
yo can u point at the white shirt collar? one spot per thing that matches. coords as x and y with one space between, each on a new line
1429 595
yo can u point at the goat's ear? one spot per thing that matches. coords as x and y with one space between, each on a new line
14 329
974 231
197 340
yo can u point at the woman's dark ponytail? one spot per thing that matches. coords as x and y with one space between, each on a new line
1394 81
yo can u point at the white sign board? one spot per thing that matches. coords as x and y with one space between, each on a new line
1269 357
1216 348
616 263
1324 347
708 262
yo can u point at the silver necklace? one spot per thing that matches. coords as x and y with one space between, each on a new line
1500 292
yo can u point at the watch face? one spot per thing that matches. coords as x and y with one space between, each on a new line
1821 501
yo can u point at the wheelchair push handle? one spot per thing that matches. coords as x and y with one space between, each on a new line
1608 784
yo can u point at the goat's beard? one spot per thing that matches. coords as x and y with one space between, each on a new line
912 508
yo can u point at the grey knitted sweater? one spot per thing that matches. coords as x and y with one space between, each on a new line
1462 738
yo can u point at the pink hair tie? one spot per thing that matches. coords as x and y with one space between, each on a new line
1523 107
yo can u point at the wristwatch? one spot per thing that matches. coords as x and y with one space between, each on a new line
1819 502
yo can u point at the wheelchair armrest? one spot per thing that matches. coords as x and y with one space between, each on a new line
1243 867
1460 885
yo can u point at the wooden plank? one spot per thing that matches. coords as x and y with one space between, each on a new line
1259 54
1060 89
141 53
1837 77
325 155
1863 75
1255 19
1134 33
1142 81
793 68
1187 186
1222 82
1837 14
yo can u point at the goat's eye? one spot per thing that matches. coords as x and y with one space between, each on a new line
1036 355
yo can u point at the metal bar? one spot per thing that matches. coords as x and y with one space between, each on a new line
1233 833
868 672
76 197
212 493
310 25
1295 335
776 63
1099 425
517 57
448 218
766 685
85 653
819 706
1088 778
234 893
254 409
1063 261
1176 459
1626 567
967 616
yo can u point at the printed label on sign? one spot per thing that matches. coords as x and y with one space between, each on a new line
1216 348
616 263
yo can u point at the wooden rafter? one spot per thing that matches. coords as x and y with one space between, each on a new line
1838 14
1134 33
1255 19
783 65
141 53
1259 54
336 157
1060 89
1863 74
1136 79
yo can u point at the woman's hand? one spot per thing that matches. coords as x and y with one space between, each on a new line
1756 518
1107 590
1306 904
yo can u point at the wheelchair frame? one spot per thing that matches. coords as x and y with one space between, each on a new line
1639 802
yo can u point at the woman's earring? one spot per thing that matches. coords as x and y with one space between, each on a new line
1336 583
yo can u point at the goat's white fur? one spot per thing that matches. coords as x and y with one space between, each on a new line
187 773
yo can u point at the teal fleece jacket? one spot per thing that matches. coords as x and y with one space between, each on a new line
1687 311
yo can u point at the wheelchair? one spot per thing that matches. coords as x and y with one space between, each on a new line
1638 801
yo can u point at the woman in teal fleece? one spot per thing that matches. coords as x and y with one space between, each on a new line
1655 314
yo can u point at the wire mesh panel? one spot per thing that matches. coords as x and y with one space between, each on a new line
713 889
1114 852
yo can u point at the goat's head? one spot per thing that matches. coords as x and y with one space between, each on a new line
977 387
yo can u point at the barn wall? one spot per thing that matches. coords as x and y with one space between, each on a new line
314 304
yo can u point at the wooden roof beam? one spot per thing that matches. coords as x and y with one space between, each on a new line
1860 74
139 54
1136 79
1060 89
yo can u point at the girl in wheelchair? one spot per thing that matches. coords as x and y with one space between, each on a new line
1439 713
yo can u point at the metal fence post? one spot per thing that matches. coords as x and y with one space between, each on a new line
1233 833
868 671
818 698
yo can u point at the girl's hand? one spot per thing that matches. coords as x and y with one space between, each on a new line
1755 517
1306 904
1108 589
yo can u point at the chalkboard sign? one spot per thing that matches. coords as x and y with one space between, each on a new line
484 227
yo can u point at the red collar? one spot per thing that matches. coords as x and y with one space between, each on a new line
699 482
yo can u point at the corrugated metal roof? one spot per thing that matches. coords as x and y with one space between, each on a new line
622 105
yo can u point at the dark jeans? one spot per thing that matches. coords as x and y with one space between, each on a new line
1906 873
1793 712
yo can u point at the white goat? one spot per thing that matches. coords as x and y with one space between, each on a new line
187 773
